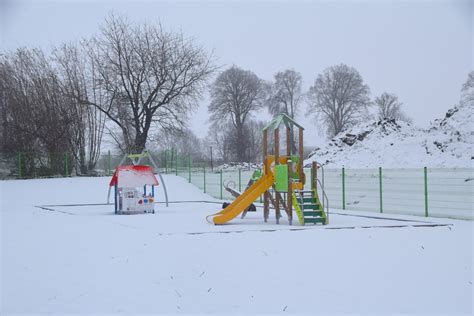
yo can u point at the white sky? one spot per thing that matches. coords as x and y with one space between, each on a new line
422 51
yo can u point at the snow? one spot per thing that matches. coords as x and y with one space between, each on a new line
84 259
233 166
449 142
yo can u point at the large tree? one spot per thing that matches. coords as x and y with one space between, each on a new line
285 93
390 107
339 98
285 96
147 77
235 94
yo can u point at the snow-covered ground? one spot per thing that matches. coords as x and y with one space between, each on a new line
84 259
449 142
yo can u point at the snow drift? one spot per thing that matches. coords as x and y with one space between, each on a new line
392 144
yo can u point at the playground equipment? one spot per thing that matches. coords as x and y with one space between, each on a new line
230 187
282 182
128 182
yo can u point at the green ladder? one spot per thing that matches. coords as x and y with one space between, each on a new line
309 208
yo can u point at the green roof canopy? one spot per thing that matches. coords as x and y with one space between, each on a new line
282 118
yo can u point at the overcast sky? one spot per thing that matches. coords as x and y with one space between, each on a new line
422 51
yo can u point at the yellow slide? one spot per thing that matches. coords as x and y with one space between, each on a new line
244 200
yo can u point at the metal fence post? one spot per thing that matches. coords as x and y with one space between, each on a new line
426 190
221 183
380 189
240 179
65 164
166 161
204 172
176 154
109 163
343 189
19 164
189 169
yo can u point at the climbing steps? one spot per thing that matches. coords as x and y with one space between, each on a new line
308 207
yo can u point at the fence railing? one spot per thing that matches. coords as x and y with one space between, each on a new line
24 164
437 192
441 192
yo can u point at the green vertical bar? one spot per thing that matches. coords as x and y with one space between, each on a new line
240 180
176 154
312 182
65 164
50 164
19 165
343 189
189 169
204 179
380 189
109 163
426 191
221 183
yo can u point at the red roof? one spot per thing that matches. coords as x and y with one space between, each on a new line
133 176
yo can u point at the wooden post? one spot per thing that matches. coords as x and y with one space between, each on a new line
266 198
301 175
290 192
277 162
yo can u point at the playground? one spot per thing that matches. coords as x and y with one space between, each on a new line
66 258
161 245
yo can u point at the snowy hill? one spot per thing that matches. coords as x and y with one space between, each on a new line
449 142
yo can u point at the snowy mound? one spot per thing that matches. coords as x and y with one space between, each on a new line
454 134
390 144
232 166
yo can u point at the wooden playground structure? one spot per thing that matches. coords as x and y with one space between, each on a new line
282 182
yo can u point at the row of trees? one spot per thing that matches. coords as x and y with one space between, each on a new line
136 82
130 80
338 97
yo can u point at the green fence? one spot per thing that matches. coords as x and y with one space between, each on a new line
35 165
443 192
22 165
439 192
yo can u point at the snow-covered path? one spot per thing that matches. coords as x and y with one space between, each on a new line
86 260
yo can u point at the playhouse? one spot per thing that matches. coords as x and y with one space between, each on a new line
130 189
134 185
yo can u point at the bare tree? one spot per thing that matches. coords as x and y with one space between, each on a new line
254 139
184 141
224 139
220 138
285 96
87 128
235 94
285 93
390 107
339 98
147 77
35 113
